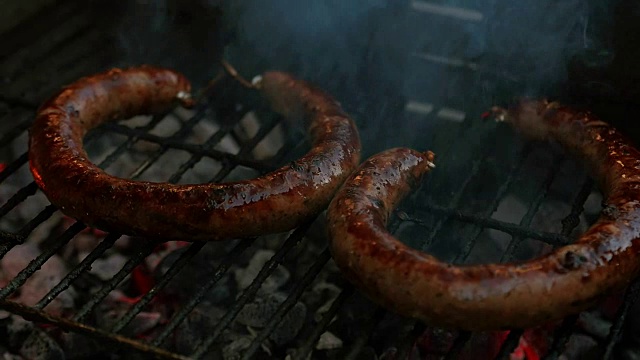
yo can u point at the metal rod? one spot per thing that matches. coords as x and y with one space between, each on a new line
453 203
13 167
199 150
288 303
367 329
85 265
303 351
499 196
570 222
533 208
615 333
196 298
509 344
170 274
36 264
234 74
142 252
482 222
32 314
250 291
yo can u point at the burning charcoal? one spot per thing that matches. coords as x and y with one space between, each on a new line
328 341
594 324
107 267
29 341
8 356
139 325
581 347
77 346
196 326
39 284
245 276
236 348
326 291
259 312
196 273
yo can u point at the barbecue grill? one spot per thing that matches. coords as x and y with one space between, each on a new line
493 197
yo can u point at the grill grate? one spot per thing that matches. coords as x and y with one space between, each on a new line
437 216
451 212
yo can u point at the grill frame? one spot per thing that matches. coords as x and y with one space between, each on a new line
23 106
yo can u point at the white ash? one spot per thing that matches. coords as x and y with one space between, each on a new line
9 356
196 273
198 324
29 341
235 349
41 282
592 323
105 268
248 128
259 312
328 341
140 324
328 290
580 347
277 279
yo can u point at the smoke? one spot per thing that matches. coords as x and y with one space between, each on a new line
377 56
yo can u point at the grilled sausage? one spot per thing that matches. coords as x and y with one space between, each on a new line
275 202
495 296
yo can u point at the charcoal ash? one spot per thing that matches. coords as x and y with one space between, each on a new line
41 282
195 273
581 347
29 341
235 349
258 313
197 325
244 276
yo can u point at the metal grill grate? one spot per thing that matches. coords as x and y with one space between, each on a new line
445 209
441 216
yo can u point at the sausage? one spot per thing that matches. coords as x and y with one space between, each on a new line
275 202
565 281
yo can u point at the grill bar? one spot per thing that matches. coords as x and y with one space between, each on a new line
500 194
365 334
321 326
453 203
85 265
487 223
168 276
144 250
570 222
35 264
615 333
250 291
11 168
199 150
533 208
288 303
19 196
513 339
31 314
214 276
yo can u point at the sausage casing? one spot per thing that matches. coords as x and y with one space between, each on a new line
275 202
495 296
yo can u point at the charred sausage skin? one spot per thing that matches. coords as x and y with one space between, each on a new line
496 296
275 202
